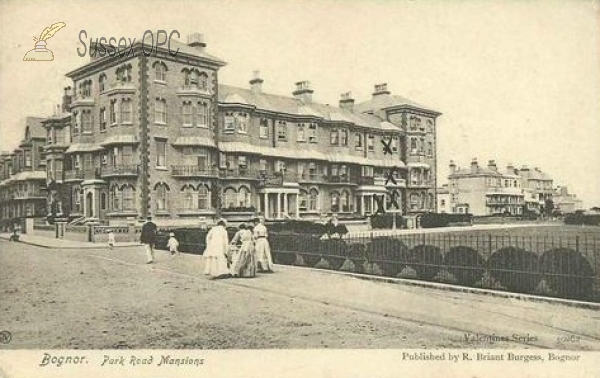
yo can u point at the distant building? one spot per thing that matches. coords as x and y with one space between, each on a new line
443 200
566 202
485 190
23 176
538 187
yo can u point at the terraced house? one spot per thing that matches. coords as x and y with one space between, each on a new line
23 176
160 135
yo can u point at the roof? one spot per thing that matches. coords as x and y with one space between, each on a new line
35 127
387 101
184 141
83 147
120 139
230 95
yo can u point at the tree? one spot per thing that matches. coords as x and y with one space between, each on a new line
549 207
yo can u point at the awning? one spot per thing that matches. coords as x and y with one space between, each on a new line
339 158
194 141
239 147
83 147
120 139
387 163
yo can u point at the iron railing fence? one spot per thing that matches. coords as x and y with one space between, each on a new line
559 265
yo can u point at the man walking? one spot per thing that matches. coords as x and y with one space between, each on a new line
148 238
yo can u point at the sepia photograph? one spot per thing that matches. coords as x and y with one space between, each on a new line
292 188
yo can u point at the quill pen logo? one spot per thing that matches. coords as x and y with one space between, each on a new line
41 53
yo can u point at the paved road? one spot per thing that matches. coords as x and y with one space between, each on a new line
96 298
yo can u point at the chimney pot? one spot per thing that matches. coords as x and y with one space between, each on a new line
256 82
303 91
347 102
381 89
196 40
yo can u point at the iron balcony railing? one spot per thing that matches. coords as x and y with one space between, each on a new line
82 174
38 194
120 170
193 171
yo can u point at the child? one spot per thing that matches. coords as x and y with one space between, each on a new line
111 239
173 244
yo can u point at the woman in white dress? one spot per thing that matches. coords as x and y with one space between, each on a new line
243 264
262 248
215 255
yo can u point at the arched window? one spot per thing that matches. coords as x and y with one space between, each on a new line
188 197
203 198
160 71
103 201
162 191
303 200
345 206
128 203
115 198
229 198
313 202
102 82
335 202
203 81
76 196
244 197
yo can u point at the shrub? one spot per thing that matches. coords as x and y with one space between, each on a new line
388 253
516 269
465 264
568 273
583 219
334 251
426 260
432 220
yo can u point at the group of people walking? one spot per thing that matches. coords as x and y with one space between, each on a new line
245 255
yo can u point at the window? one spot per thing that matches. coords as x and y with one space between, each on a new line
344 137
281 166
128 203
334 170
312 133
335 202
77 162
367 171
203 112
124 74
76 194
160 72
160 110
102 119
229 123
86 121
203 81
114 194
343 170
429 126
313 200
49 136
186 114
281 131
301 136
371 143
126 110
193 79
422 146
443 202
413 146
102 82
394 144
358 141
77 125
28 158
161 196
229 198
312 170
113 112
303 200
103 201
430 148
58 169
161 153
345 201
85 89
203 198
334 137
244 197
263 165
242 123
414 201
263 129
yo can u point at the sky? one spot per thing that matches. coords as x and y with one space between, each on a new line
517 81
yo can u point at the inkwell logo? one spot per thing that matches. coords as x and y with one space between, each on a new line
41 53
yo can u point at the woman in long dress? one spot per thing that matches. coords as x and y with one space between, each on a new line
262 248
215 255
243 264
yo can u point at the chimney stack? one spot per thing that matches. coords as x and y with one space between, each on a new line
381 89
196 40
66 100
510 168
474 165
256 82
347 102
492 165
452 167
303 92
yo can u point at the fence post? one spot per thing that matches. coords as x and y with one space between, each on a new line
490 245
577 243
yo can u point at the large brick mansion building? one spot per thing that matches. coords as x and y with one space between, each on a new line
159 135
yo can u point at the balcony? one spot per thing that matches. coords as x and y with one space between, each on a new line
420 183
233 174
193 171
340 179
311 178
192 90
120 170
38 194
80 174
